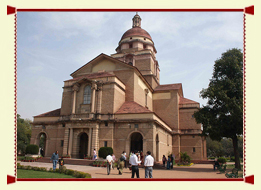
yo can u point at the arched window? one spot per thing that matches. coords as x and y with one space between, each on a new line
87 95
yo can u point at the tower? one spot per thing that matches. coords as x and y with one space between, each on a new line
136 48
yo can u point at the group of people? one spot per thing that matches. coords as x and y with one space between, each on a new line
169 161
56 160
135 161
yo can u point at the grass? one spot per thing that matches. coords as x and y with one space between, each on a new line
40 174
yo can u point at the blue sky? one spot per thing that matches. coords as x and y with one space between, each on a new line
51 46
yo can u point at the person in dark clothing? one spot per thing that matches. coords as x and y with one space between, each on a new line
61 163
171 162
216 164
164 159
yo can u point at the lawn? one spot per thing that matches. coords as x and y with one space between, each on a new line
40 174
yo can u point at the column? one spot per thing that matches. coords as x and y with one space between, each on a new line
95 138
66 141
75 89
70 142
94 87
90 142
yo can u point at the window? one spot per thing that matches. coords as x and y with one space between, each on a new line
193 136
192 116
130 45
136 126
87 95
194 149
63 124
105 143
43 127
61 143
106 123
144 46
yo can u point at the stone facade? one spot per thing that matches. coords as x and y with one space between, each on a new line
117 101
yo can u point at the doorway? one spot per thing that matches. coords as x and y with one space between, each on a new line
136 142
83 149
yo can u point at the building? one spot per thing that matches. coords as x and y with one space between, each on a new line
117 101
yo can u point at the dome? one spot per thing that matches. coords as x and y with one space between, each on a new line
136 31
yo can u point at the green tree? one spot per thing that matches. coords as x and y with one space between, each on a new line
223 114
23 133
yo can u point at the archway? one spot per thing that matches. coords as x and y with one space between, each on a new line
136 142
83 148
42 143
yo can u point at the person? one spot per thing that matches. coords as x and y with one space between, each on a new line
61 163
55 158
94 154
148 164
109 163
168 163
42 152
113 160
125 161
121 164
216 164
164 159
134 164
141 157
171 162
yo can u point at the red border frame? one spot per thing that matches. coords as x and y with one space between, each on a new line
246 10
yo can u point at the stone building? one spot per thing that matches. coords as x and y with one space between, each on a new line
117 101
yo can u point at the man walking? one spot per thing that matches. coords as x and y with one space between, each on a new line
55 158
109 163
148 164
134 164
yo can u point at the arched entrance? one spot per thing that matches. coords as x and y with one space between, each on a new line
83 148
136 142
41 142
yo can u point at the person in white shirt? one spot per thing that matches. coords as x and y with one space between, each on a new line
109 163
134 165
148 164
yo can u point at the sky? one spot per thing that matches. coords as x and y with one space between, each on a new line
52 45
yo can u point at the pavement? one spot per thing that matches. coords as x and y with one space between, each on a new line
194 171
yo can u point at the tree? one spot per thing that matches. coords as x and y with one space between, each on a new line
223 114
23 133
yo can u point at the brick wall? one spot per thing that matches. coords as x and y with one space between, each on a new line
186 119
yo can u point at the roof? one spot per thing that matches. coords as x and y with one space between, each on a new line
186 101
176 86
132 107
136 31
54 113
92 76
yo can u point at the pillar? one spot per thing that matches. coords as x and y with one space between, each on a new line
90 141
75 89
94 87
95 138
70 142
66 141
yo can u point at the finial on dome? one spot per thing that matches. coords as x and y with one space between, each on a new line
136 21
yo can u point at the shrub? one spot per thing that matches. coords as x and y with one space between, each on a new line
62 169
18 166
43 169
232 158
69 172
212 158
51 170
32 149
27 167
222 160
105 151
78 174
185 158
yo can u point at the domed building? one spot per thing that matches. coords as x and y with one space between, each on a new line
117 101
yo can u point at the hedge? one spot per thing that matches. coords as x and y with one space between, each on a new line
222 160
63 170
105 151
32 149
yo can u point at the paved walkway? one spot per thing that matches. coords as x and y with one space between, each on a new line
195 171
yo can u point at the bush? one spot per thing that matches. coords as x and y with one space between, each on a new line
51 170
232 158
32 149
222 160
105 151
18 166
185 158
78 174
43 169
27 167
212 158
69 172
